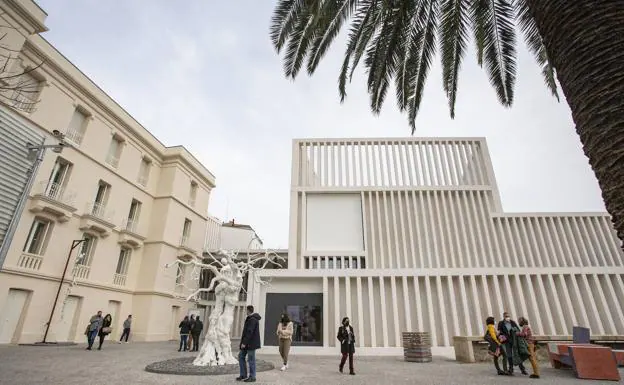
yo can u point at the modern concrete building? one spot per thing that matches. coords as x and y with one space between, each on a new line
408 234
134 202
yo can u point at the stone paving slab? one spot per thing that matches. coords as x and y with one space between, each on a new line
125 363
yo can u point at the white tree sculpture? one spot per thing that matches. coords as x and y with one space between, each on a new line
227 284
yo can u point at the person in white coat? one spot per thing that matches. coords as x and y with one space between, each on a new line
284 333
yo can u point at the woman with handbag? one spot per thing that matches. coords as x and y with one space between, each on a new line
106 329
347 344
494 345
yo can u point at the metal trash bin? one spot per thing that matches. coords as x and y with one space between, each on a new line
417 346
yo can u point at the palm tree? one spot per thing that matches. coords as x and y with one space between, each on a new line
579 42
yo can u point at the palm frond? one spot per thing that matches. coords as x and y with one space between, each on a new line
479 14
284 18
333 14
453 38
361 29
420 60
375 21
535 44
412 43
500 49
298 43
382 57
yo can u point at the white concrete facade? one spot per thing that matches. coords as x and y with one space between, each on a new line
408 234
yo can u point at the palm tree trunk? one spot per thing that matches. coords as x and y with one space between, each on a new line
584 40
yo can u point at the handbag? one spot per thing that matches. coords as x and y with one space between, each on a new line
106 330
502 338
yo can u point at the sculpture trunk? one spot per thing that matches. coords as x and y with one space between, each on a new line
584 40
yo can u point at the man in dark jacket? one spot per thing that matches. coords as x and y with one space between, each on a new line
508 328
250 342
185 329
198 326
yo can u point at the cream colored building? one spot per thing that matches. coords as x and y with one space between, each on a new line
408 234
231 236
137 203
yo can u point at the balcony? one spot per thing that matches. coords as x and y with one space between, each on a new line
112 160
119 279
128 235
81 271
98 219
53 199
185 246
29 261
74 136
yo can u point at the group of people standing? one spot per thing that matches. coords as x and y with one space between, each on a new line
512 341
101 327
190 330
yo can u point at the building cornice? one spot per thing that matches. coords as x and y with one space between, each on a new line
33 24
121 118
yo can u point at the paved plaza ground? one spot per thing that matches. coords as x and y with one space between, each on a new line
124 364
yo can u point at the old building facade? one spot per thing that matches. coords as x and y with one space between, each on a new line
133 203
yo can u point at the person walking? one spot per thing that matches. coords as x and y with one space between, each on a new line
189 345
105 329
347 344
196 330
95 323
126 329
250 342
284 333
494 345
527 334
508 328
185 329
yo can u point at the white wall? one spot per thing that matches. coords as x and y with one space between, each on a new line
334 222
235 238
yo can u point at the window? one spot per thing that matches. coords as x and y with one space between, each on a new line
124 261
133 215
37 237
26 89
87 250
193 194
181 272
77 127
186 232
101 197
114 152
144 171
58 179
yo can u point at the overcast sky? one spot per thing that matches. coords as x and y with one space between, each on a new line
203 74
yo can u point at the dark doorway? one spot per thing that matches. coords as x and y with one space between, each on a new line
305 311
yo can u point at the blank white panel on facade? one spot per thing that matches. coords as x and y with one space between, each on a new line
334 222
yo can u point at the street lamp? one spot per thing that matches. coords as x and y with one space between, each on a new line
75 243
35 154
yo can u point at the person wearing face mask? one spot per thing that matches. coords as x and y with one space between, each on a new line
508 329
347 345
284 333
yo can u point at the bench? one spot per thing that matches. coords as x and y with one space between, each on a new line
587 360
471 349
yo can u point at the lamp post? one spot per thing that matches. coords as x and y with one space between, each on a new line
75 243
35 154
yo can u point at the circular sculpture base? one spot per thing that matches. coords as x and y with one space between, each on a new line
53 344
184 366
